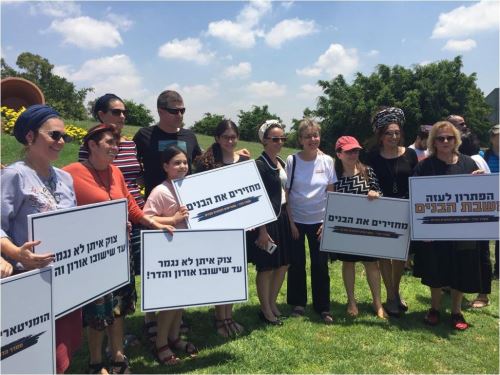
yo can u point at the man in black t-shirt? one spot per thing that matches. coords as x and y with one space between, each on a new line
151 141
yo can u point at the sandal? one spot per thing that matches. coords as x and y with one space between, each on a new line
234 327
327 317
297 311
187 346
185 327
169 360
402 305
120 367
149 330
96 368
432 317
392 308
458 322
479 303
222 328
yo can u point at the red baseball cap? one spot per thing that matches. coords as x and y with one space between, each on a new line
346 143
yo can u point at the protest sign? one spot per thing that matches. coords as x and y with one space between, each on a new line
91 248
454 207
377 228
28 336
193 268
228 197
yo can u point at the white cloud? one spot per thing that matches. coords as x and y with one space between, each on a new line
266 89
334 61
190 49
121 21
468 20
56 9
242 70
373 53
241 33
460 45
87 33
288 30
116 74
425 62
287 4
309 91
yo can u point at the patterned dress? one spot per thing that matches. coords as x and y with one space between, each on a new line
357 185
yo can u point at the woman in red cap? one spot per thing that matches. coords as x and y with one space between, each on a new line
356 178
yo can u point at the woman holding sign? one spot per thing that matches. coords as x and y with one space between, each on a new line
393 164
310 175
269 245
356 178
32 186
219 154
98 180
455 264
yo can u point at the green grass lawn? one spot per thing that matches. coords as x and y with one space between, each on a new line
305 345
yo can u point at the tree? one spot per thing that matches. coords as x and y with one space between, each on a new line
59 92
138 114
207 124
250 121
426 94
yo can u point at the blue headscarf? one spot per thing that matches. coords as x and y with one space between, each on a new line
31 119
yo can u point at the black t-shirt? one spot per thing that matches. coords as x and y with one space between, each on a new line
151 141
393 174
432 166
270 175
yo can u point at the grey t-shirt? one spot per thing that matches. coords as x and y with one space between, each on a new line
25 193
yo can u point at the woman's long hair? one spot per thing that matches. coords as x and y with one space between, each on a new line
212 157
339 167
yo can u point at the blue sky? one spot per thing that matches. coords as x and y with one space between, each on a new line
227 56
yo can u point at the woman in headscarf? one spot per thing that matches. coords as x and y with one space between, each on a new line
393 164
97 180
31 186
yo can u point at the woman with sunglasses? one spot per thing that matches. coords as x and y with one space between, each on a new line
454 264
354 177
269 245
31 186
97 180
310 175
221 153
393 164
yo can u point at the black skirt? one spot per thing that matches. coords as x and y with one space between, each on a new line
279 231
456 264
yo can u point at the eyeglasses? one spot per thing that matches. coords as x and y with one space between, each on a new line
311 136
174 111
393 134
56 135
352 152
229 137
118 112
277 139
448 138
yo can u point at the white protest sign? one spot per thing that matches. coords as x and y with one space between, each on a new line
378 228
193 268
91 247
454 207
228 197
28 335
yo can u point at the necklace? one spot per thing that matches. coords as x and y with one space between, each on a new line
107 188
393 173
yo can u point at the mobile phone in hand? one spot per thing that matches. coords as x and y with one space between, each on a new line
271 246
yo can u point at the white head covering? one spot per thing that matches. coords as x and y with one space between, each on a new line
269 123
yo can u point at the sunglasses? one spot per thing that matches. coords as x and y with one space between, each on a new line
352 152
277 139
56 135
448 138
118 112
174 111
392 134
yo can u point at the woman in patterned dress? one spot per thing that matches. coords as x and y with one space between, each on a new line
356 178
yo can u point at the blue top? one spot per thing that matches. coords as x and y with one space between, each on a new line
24 192
492 160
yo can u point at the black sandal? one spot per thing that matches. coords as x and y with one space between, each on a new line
149 330
187 346
222 328
96 368
121 365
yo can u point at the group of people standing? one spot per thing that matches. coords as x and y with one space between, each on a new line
112 167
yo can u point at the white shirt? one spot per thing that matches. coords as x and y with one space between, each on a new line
307 197
481 163
421 154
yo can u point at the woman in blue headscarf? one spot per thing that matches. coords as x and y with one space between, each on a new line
30 186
